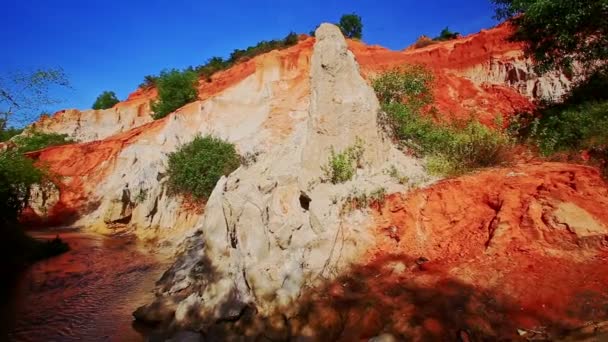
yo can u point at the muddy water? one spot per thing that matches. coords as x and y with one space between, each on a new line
86 294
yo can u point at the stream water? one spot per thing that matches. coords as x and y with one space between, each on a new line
86 294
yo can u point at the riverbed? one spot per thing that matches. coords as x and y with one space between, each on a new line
86 294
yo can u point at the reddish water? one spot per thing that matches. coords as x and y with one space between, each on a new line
86 294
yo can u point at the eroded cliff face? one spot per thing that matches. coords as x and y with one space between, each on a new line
275 227
119 180
255 104
273 253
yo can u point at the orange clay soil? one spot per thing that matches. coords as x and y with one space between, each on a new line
82 166
479 257
455 96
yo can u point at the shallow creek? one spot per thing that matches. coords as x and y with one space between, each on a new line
86 294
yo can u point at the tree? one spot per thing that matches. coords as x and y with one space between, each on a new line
351 26
106 100
290 39
558 32
175 89
446 34
25 93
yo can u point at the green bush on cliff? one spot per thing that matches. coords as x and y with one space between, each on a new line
446 34
216 64
38 140
341 166
106 100
175 89
7 133
195 168
577 124
450 148
17 175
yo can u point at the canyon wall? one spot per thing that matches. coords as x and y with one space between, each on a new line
275 252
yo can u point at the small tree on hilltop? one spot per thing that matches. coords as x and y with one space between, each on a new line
446 34
106 100
351 26
175 89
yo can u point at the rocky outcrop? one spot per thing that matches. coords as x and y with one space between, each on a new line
119 181
274 228
520 75
279 252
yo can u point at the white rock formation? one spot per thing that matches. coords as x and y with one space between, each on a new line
272 229
520 74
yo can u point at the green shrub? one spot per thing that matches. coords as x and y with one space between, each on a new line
572 128
262 47
423 41
449 148
577 123
216 64
17 175
149 82
446 34
341 166
409 84
196 167
175 89
35 141
7 133
212 66
106 100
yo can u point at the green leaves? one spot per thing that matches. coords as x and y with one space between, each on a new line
17 175
351 26
175 89
557 32
409 84
449 148
197 166
38 140
341 166
106 100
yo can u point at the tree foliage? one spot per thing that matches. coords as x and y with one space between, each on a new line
446 34
409 84
351 26
106 100
24 93
454 148
175 89
17 175
7 133
558 32
35 140
195 168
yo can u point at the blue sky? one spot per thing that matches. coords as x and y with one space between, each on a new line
111 44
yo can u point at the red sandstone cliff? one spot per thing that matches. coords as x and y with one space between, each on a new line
525 245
